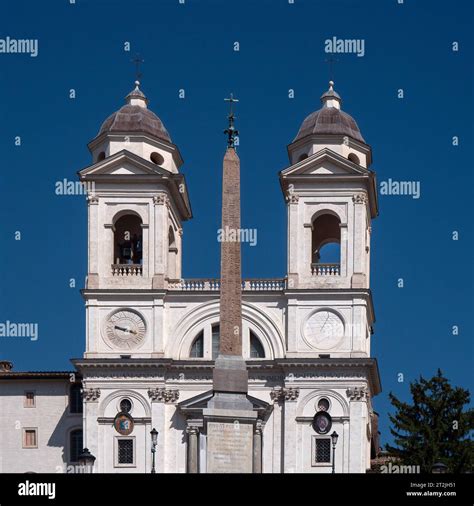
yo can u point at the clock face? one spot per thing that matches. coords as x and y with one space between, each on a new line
125 329
323 330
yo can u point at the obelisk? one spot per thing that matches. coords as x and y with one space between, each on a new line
229 416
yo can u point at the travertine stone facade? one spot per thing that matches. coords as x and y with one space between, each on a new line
151 334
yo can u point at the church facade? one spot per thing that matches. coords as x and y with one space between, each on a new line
152 336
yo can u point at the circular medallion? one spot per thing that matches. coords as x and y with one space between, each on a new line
125 329
323 330
322 422
124 424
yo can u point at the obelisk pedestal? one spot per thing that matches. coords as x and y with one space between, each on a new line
229 418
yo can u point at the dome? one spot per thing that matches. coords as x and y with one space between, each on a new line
135 117
330 120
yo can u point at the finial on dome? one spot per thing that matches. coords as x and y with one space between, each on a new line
137 97
331 98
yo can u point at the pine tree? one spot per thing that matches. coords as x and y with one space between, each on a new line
434 428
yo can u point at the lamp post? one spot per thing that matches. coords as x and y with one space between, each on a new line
86 459
334 437
439 468
154 440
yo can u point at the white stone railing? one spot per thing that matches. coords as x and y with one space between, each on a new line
274 284
127 270
326 269
215 284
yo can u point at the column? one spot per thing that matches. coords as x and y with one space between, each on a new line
307 252
93 241
289 429
158 398
344 249
90 397
179 253
160 239
294 270
358 422
193 449
345 448
360 218
146 250
106 258
276 397
257 447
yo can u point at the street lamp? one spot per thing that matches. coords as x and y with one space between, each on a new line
439 468
154 440
86 459
334 437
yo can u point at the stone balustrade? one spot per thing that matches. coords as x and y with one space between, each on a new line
252 285
127 270
326 269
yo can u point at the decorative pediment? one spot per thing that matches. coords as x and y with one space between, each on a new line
195 405
325 162
123 163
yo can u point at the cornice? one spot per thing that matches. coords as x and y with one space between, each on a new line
287 368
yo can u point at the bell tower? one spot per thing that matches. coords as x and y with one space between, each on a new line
137 200
331 199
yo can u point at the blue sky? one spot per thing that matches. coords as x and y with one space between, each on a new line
190 47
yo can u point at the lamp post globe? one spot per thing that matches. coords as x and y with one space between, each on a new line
154 441
334 437
86 459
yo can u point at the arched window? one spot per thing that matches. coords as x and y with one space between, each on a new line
101 156
256 348
207 342
75 445
75 398
128 240
325 245
354 158
197 348
302 157
216 339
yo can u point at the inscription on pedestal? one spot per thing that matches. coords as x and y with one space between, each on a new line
229 447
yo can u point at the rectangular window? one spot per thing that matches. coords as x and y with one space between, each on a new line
30 438
125 452
30 400
321 451
75 445
75 398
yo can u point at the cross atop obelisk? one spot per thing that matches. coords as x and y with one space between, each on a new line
230 131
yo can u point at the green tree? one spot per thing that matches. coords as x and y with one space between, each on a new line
434 428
